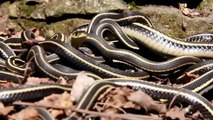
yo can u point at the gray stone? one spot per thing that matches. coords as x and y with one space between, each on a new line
13 10
56 8
38 14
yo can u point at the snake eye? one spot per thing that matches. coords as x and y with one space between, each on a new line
79 34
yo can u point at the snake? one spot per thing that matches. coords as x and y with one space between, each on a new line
134 29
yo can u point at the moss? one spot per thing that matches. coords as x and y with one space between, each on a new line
4 7
205 4
30 24
132 5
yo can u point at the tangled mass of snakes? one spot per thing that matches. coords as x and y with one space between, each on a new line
116 49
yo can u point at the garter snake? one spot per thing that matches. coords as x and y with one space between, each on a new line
140 33
2 38
14 43
44 114
59 36
131 57
197 69
164 44
5 51
17 65
200 38
42 63
125 18
9 76
67 52
29 92
116 30
156 91
87 100
27 35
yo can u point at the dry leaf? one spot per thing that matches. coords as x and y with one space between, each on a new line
62 81
26 114
176 113
154 116
115 100
131 105
146 101
197 115
81 83
5 110
110 111
6 84
36 80
106 92
59 100
119 100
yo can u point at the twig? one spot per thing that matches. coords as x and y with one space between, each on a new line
111 105
114 115
172 101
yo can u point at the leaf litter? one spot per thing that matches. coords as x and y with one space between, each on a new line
115 100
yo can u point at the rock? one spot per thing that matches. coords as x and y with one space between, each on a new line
55 8
37 1
40 9
38 14
60 15
172 22
65 26
13 10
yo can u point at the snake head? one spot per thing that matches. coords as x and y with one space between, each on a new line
77 38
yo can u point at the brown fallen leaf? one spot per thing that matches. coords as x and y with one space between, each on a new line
176 113
105 93
60 100
26 114
4 110
146 101
6 84
118 98
155 116
36 80
81 83
197 115
114 100
130 105
62 81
